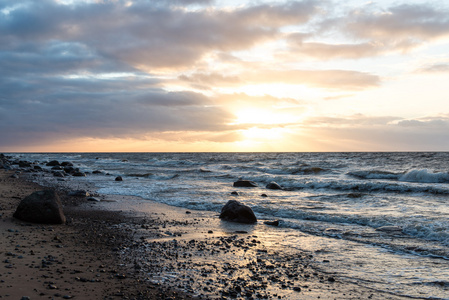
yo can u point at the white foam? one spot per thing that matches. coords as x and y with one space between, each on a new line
425 176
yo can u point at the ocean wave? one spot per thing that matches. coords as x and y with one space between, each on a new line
425 176
374 174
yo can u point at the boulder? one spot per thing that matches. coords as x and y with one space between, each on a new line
41 207
66 164
79 174
24 164
272 223
235 211
118 178
245 183
53 163
273 186
58 174
70 169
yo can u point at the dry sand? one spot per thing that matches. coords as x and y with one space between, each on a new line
127 248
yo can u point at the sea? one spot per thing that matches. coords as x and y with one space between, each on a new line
379 220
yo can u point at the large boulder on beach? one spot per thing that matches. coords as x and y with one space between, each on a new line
41 207
245 183
235 211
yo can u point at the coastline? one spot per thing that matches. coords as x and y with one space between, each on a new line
148 250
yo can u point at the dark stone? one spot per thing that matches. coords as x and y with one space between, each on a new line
38 168
24 164
273 186
234 211
118 178
69 169
235 193
57 168
93 199
58 174
245 183
66 164
53 163
41 207
272 223
264 195
97 172
79 174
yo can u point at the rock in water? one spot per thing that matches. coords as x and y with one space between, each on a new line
41 207
53 163
273 186
235 211
245 183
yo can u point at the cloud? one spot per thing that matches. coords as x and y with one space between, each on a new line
377 133
435 68
370 31
401 27
329 79
150 34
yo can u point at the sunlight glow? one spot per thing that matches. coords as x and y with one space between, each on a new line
263 116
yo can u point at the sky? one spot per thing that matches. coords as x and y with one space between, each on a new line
204 75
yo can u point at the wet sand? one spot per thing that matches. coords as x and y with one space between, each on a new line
129 248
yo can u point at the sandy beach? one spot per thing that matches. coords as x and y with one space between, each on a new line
138 249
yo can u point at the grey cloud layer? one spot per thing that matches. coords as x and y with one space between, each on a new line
51 56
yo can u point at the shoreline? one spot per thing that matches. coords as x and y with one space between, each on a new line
149 250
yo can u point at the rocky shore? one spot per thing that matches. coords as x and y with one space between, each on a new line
146 250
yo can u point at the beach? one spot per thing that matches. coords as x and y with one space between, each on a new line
126 247
78 260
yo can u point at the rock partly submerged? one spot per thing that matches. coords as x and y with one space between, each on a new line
245 183
273 186
235 211
41 207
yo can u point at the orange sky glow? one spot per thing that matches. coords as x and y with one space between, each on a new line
189 76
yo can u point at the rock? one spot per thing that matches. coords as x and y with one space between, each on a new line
235 193
53 163
273 186
58 174
272 223
245 183
234 211
38 168
24 164
15 176
264 195
41 207
66 164
97 172
57 168
79 174
93 199
69 169
118 178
